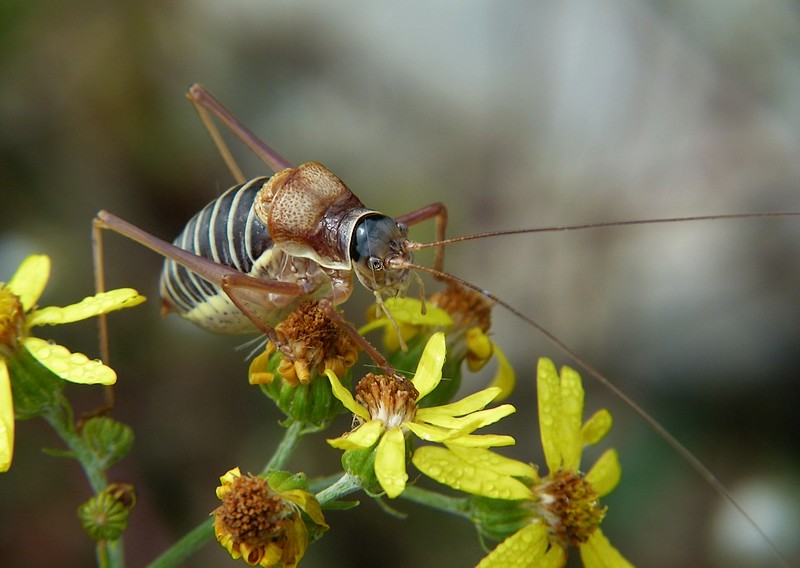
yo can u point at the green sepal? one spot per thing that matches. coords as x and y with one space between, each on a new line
361 464
311 403
281 480
35 388
499 518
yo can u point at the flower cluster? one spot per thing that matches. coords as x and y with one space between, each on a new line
269 520
18 314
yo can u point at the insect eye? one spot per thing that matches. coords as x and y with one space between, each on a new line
375 263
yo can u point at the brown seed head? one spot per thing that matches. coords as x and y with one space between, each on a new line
467 307
571 508
389 399
252 517
312 342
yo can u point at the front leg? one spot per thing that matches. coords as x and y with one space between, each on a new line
439 212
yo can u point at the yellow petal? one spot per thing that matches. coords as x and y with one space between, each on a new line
478 419
468 404
549 396
597 552
6 419
102 303
479 345
308 503
495 462
482 440
429 369
449 469
409 310
524 549
226 481
605 473
73 367
390 462
505 378
345 397
571 418
596 427
430 433
555 557
361 438
30 279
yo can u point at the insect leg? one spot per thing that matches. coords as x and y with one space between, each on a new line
437 210
361 341
204 102
100 286
239 287
236 283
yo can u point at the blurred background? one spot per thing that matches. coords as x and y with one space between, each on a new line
514 114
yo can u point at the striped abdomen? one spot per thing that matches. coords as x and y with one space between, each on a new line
228 232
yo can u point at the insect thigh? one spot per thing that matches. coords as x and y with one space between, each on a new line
228 232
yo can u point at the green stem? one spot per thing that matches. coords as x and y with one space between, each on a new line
287 445
61 421
109 553
186 546
344 486
202 533
454 505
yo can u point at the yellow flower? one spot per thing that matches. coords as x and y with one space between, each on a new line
18 314
465 314
566 502
388 411
263 525
560 510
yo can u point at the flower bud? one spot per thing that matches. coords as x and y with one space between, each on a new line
109 440
105 516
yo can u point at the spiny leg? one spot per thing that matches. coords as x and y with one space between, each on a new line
439 212
204 102
219 142
249 290
329 309
98 260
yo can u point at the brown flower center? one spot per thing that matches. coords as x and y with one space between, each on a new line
252 513
12 321
311 341
389 399
570 506
467 307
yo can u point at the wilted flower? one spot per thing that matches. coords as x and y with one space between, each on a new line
264 525
310 343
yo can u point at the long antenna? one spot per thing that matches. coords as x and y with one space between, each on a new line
654 424
604 225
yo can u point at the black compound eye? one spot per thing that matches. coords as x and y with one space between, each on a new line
375 263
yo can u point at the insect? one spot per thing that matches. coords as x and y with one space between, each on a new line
249 257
